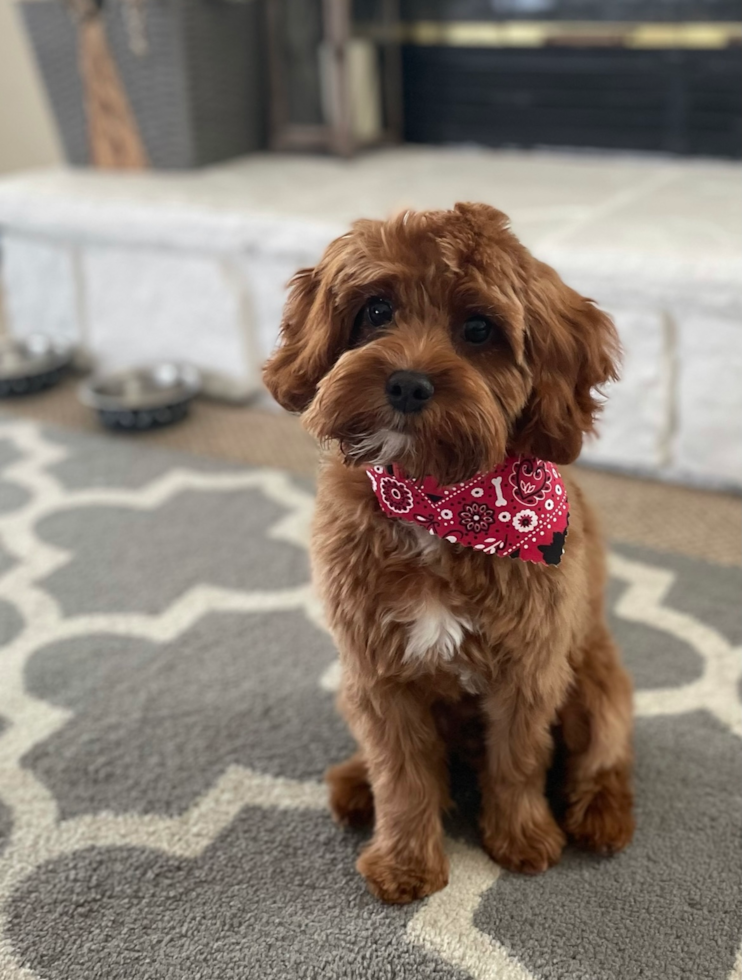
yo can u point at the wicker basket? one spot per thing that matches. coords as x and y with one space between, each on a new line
196 89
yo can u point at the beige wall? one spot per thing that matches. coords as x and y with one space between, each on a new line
28 137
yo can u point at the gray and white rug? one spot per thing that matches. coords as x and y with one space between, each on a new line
166 713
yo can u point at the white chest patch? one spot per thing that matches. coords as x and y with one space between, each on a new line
436 634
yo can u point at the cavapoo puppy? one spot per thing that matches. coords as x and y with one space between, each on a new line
449 372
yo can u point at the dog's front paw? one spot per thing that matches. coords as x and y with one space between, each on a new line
601 818
402 878
529 847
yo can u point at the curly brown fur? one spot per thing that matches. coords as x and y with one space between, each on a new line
531 640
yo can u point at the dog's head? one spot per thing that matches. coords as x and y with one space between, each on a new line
436 341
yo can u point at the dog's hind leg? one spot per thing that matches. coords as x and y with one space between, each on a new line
351 799
596 726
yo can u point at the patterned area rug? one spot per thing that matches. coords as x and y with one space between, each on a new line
166 712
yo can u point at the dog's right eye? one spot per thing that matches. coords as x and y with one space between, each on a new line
378 311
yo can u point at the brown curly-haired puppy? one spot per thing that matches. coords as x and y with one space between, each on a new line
499 360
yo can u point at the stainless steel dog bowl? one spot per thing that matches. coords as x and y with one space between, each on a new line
142 398
30 364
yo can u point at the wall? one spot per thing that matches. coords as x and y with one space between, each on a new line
27 134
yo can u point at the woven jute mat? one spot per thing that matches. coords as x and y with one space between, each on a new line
634 511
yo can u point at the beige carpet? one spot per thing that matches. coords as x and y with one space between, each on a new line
658 515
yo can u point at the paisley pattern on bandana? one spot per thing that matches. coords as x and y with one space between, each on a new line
518 510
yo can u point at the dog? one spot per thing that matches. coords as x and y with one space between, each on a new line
440 362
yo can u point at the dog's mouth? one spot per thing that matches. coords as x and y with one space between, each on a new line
380 448
415 456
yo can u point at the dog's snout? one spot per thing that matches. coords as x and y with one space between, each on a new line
409 391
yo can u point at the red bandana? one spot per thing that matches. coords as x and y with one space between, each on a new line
518 510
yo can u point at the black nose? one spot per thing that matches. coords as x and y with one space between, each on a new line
408 391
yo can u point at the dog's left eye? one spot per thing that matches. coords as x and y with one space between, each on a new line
379 311
478 330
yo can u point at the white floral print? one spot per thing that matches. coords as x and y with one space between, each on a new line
525 520
395 495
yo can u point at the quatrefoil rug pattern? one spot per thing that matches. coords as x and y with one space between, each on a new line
166 713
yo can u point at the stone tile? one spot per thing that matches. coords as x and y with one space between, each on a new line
53 309
708 441
634 425
696 211
181 307
265 278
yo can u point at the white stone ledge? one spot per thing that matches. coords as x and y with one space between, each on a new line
134 268
170 227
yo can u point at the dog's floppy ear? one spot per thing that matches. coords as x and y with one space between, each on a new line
309 345
573 349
